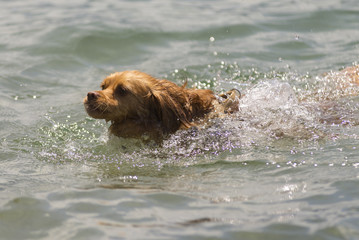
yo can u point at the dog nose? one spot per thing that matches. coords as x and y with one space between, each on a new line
92 96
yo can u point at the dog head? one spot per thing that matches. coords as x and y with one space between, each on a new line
124 95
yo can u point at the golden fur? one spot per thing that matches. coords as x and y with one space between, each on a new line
138 104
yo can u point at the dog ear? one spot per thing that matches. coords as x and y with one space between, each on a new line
168 112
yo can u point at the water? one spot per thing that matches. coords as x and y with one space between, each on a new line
279 169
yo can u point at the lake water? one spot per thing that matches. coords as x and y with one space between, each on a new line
273 171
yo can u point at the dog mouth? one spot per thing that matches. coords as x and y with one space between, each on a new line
94 109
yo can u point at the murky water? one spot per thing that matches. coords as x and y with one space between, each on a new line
285 166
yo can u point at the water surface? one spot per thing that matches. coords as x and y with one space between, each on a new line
279 169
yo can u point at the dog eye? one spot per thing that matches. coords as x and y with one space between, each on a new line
103 87
121 91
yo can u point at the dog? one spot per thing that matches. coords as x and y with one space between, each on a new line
141 106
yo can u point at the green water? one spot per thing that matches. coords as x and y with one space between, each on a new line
273 171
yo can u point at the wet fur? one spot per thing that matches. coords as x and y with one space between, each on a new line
138 104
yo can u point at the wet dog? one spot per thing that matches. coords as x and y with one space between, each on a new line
138 105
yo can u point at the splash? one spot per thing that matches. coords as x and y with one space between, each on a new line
273 108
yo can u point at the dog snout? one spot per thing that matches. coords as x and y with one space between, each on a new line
91 96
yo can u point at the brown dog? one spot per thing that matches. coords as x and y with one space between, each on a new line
139 105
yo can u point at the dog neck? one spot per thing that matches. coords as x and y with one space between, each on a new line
136 128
